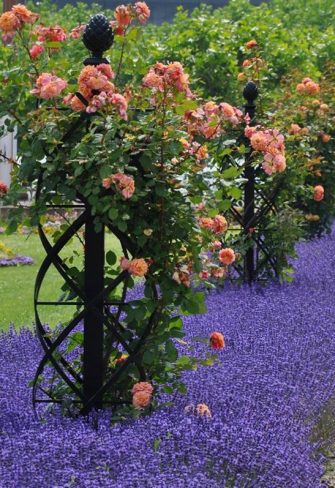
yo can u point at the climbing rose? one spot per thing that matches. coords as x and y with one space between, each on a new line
23 14
202 410
142 386
141 399
142 12
120 104
219 224
35 51
217 341
325 138
95 78
3 189
48 86
319 193
54 33
123 16
162 76
74 102
227 256
308 86
123 183
9 22
138 267
77 31
205 223
251 44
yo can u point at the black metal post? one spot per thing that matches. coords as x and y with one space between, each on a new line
93 324
98 37
250 93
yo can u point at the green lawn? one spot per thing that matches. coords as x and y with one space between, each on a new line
17 283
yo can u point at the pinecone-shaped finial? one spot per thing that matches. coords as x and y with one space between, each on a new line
250 92
98 37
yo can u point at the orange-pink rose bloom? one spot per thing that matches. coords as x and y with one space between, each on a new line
217 341
138 267
319 193
9 22
142 386
142 12
227 256
251 44
219 224
3 189
141 400
23 14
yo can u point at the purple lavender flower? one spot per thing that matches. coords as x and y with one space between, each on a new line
16 261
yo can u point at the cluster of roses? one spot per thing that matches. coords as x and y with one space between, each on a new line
308 87
123 184
3 189
142 392
270 142
98 91
14 20
217 225
48 86
44 35
164 78
125 14
209 119
296 130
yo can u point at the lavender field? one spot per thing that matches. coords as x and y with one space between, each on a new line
274 378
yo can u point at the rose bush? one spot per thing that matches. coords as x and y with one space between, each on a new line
136 156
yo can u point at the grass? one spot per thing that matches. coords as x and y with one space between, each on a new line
17 283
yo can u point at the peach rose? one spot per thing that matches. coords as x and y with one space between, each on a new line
251 44
319 193
142 386
123 183
219 225
205 223
142 12
3 189
141 400
325 138
48 86
217 341
218 272
202 410
227 256
123 16
138 267
9 22
23 14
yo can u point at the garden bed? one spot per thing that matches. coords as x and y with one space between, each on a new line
266 395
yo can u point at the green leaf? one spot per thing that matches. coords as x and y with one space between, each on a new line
230 173
111 258
235 192
148 357
157 443
171 351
